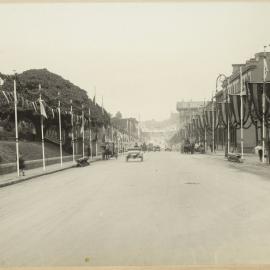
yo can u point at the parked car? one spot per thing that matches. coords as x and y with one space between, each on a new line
156 148
168 149
134 153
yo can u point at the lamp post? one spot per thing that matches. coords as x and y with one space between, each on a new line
228 117
213 124
16 124
220 78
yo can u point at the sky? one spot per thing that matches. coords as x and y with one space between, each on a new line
141 57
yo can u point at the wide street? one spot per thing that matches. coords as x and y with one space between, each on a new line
170 209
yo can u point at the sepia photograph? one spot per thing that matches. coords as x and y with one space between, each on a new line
134 133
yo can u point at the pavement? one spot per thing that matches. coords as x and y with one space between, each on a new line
171 209
13 178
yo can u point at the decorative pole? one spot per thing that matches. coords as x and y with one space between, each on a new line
213 126
60 130
205 139
241 114
228 117
16 127
90 133
263 107
42 133
97 144
83 130
72 132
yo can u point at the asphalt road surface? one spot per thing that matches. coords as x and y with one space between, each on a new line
171 209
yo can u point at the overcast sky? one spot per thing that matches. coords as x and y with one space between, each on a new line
141 57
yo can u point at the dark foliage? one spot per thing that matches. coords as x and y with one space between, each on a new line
53 88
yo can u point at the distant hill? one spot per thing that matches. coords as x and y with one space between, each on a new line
159 132
159 125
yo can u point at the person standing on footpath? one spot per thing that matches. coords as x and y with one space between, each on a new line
21 165
258 149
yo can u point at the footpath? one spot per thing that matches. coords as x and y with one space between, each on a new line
12 178
251 163
249 158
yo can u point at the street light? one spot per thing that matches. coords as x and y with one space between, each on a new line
220 78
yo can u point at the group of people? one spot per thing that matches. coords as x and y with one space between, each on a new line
190 147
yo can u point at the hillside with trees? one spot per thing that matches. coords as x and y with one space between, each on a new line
53 88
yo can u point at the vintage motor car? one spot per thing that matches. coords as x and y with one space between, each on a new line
134 153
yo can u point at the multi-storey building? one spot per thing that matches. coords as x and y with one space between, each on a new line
252 71
186 110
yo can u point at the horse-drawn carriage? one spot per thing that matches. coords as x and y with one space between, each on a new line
109 150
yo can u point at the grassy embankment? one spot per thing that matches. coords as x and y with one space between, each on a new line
29 151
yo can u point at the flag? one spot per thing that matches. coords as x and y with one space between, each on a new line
255 91
265 69
34 106
82 127
89 112
10 95
42 109
22 99
5 95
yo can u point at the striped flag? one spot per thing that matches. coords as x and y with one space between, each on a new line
34 106
265 69
5 95
82 127
255 91
42 109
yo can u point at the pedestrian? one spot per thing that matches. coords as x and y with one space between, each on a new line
34 133
192 146
21 164
211 147
258 149
88 151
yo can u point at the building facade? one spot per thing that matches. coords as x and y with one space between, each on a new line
252 71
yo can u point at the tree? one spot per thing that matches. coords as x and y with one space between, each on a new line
51 84
118 115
